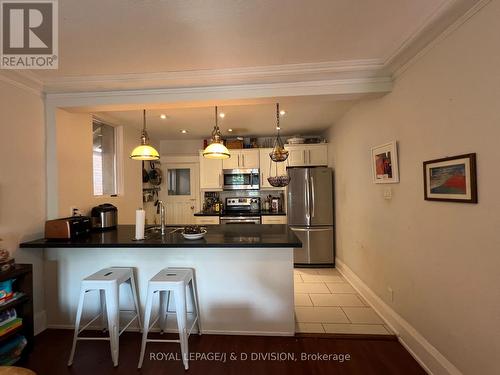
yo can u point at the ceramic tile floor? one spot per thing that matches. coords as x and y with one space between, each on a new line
326 303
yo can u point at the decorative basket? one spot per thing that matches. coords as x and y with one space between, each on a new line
279 181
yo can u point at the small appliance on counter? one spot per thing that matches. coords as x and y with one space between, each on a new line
67 228
104 216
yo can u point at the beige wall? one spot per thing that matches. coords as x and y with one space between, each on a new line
74 154
441 259
22 181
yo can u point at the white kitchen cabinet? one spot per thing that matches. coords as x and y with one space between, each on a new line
242 159
207 220
307 155
267 170
274 219
210 173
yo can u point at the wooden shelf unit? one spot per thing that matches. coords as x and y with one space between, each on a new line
23 275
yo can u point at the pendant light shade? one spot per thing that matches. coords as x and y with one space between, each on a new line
144 151
216 149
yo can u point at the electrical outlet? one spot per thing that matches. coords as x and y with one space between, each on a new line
391 293
73 210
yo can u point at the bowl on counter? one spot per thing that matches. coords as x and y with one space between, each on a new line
193 232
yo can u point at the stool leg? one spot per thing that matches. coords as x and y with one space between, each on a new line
181 311
164 299
194 292
145 326
113 309
133 287
77 324
104 322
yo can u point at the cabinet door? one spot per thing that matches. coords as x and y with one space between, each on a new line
274 219
210 173
249 159
234 161
317 155
265 172
207 220
297 156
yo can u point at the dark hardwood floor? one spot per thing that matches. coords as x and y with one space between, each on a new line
367 356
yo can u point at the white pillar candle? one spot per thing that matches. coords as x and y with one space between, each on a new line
140 220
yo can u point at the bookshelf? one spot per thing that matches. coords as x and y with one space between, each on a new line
23 274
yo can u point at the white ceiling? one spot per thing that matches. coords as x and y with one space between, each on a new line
306 116
139 44
146 36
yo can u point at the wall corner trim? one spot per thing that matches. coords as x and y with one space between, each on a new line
40 321
417 345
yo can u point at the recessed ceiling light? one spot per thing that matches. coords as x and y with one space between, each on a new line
282 113
229 130
222 115
184 131
163 116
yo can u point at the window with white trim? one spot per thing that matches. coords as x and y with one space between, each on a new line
104 169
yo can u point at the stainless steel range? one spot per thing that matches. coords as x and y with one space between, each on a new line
241 211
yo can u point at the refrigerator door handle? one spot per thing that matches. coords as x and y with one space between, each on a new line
308 198
310 229
313 200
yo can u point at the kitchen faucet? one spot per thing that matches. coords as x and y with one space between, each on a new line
160 209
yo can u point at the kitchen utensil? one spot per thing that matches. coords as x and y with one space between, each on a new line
155 175
145 175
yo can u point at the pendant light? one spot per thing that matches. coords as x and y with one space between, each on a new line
216 149
144 151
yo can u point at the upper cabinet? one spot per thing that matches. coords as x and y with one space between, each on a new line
269 168
248 158
307 155
210 173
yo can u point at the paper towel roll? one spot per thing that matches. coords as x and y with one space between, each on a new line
140 220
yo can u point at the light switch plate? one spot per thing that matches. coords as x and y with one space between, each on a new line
388 193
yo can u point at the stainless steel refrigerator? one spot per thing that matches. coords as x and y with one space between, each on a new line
310 214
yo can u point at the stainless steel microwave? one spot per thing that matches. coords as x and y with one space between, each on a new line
241 179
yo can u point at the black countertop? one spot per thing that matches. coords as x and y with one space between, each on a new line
218 236
225 213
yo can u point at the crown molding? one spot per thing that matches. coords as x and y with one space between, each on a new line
399 65
228 76
446 18
104 100
23 81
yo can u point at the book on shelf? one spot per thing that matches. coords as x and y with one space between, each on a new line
15 296
12 325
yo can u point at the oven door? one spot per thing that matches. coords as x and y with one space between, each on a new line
239 179
240 220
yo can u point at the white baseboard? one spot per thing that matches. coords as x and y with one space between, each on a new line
422 350
40 322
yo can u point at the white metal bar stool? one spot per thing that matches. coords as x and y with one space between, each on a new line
175 280
107 281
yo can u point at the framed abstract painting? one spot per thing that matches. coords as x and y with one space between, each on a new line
385 168
451 179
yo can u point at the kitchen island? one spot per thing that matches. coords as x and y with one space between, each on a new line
244 273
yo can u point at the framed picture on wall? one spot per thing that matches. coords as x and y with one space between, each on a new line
451 179
385 168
